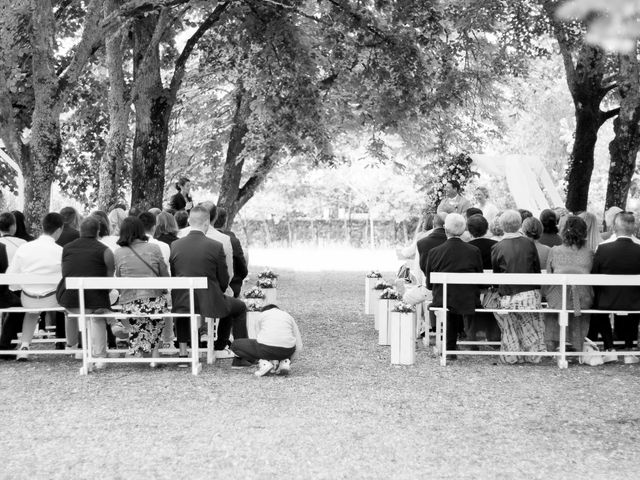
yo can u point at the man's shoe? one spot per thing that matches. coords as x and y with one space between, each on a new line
23 354
610 356
631 359
186 364
226 353
76 355
264 367
284 367
239 363
452 357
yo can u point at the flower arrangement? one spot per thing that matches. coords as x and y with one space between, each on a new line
457 168
254 293
374 274
268 273
390 294
266 283
381 285
253 306
402 307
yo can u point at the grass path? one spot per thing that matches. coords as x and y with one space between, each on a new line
344 412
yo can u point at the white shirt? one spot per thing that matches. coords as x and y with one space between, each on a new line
110 241
42 256
12 244
614 237
278 329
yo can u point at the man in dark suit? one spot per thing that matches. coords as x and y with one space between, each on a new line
435 238
620 257
454 255
240 270
196 255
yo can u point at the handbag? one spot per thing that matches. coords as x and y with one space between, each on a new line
491 299
415 295
592 360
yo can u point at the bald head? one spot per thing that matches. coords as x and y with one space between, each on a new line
199 218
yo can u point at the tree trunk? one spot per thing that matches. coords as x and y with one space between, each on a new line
152 127
624 147
45 144
111 167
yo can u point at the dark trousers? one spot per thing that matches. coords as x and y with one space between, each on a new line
454 323
600 325
626 328
252 351
11 326
236 321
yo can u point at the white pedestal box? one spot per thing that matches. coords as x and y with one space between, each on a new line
402 333
252 324
384 308
370 295
270 295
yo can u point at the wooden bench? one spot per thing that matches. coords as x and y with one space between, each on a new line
563 280
107 283
17 279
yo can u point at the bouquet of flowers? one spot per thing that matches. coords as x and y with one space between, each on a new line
374 274
402 307
253 306
381 285
390 294
266 283
267 274
254 293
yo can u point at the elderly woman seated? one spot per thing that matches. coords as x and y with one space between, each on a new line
515 253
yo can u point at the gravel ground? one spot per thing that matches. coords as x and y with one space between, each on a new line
344 412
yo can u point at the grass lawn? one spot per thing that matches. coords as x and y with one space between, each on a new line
344 412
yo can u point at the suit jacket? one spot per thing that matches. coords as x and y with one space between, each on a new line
435 238
68 235
621 257
7 297
454 255
199 256
240 270
484 245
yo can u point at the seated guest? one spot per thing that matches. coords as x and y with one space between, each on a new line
532 228
609 215
104 232
136 257
70 230
549 236
166 228
593 231
573 256
620 257
196 255
517 254
495 228
87 257
39 257
182 219
524 214
410 253
454 255
239 262
116 216
21 227
12 324
471 211
149 224
155 211
477 227
277 343
437 237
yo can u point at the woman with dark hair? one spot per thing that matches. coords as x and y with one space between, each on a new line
166 228
573 256
21 227
453 201
138 258
532 229
182 200
549 236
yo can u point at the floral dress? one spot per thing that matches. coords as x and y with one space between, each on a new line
146 332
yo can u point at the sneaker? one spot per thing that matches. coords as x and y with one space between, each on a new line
23 354
204 338
610 356
239 363
76 355
99 366
264 367
631 359
284 367
226 353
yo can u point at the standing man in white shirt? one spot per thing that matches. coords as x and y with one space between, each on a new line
41 257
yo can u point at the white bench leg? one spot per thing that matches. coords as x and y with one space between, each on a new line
211 357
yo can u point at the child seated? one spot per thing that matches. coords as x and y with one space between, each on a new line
276 344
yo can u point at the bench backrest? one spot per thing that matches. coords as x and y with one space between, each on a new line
534 279
103 283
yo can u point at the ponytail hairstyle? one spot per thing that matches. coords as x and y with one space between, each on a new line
181 183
